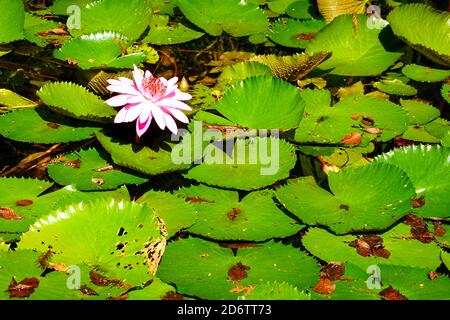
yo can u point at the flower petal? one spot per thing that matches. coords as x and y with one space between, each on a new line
172 82
158 115
179 95
136 99
170 123
123 89
172 103
127 114
118 100
179 115
142 124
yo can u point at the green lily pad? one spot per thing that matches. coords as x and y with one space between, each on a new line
232 16
279 6
39 125
124 234
425 74
176 213
129 18
100 50
147 160
420 134
300 9
262 103
367 198
34 25
294 33
438 127
11 21
354 53
445 92
446 259
414 23
395 87
245 169
222 216
355 114
75 101
89 170
9 100
428 169
59 7
404 251
445 141
240 71
171 34
203 269
276 291
157 290
419 113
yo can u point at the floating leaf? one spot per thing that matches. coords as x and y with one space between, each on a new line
232 16
276 291
43 32
361 53
419 112
240 71
414 23
176 213
143 159
262 103
367 198
100 50
10 100
294 33
395 87
11 21
39 125
300 9
128 18
171 34
211 272
324 124
245 170
425 74
223 217
404 251
427 168
445 92
81 169
117 247
75 101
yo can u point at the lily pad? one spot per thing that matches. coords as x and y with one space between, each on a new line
262 103
276 291
445 92
148 160
428 169
12 19
129 18
395 87
372 118
414 23
425 74
89 170
232 16
118 247
39 125
367 198
294 33
240 71
245 169
357 51
419 113
171 34
75 101
203 269
176 213
403 251
222 216
100 50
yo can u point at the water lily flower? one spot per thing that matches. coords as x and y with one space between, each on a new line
146 98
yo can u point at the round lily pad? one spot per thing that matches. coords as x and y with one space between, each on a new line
295 33
403 250
119 247
395 87
12 19
176 213
262 102
367 198
245 169
419 112
203 269
428 169
75 101
39 125
425 74
89 170
222 216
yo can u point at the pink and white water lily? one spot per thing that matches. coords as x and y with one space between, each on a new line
146 98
